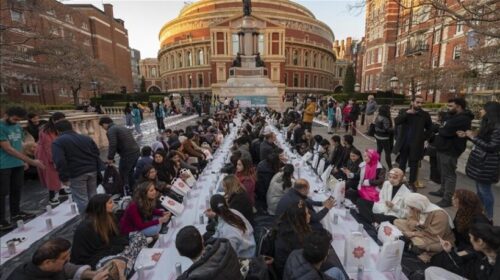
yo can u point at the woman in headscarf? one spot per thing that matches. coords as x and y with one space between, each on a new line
425 226
371 178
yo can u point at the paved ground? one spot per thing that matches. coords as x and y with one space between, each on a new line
363 142
35 198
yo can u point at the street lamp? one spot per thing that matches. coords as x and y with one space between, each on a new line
357 87
94 84
394 82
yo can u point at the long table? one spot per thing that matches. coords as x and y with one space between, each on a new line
195 204
346 222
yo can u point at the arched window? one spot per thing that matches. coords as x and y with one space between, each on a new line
153 72
295 57
189 59
315 60
172 62
306 59
179 60
201 57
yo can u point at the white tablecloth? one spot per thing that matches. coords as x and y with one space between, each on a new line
346 223
195 204
36 229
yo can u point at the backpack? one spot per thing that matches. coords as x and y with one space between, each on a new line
112 181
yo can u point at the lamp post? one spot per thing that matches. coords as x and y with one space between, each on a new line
93 85
394 81
357 87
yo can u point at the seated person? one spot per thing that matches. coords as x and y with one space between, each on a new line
425 226
237 197
217 260
280 184
51 261
143 161
142 214
306 263
151 175
246 175
470 211
484 264
232 225
291 229
391 200
350 171
300 191
371 177
97 238
161 164
324 149
337 155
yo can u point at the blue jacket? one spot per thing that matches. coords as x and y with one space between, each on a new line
136 116
74 155
331 113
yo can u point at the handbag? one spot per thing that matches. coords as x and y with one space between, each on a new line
388 232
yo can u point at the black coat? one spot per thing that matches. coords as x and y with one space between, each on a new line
241 202
266 149
298 268
218 262
484 160
477 267
121 141
446 140
286 241
292 197
413 130
338 156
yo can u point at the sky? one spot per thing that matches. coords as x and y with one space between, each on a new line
144 18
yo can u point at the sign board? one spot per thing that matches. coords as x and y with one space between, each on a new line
252 101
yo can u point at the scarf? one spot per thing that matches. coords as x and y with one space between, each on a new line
423 204
371 166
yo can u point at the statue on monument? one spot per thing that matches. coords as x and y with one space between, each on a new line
247 7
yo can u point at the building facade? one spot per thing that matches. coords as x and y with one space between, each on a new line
150 70
418 37
199 46
135 58
29 22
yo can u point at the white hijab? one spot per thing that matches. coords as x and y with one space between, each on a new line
423 204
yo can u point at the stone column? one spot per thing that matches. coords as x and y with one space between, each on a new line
255 38
241 48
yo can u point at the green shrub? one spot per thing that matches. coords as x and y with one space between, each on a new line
33 107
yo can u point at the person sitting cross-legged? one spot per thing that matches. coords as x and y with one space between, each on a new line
51 261
215 260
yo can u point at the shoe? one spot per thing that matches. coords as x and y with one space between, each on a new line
23 216
437 193
5 226
65 191
54 202
444 203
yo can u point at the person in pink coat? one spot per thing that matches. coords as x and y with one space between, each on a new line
49 177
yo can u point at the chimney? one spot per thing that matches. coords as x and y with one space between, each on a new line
108 10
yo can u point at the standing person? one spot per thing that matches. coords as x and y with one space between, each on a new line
331 117
137 118
484 160
77 162
384 133
12 165
128 115
121 141
414 128
449 147
160 115
346 112
48 176
354 115
371 108
308 116
34 125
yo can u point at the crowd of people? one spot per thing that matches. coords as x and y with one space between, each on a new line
259 182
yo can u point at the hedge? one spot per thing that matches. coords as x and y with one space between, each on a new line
34 107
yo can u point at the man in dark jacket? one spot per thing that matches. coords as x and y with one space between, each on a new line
216 261
337 155
306 263
449 147
299 192
414 128
121 141
77 161
267 146
50 261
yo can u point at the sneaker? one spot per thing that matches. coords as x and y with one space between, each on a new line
65 191
437 193
444 203
5 226
54 202
23 216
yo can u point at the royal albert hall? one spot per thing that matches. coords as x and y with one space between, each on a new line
198 48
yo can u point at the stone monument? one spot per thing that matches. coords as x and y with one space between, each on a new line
248 78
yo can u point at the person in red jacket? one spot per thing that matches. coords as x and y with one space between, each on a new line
142 215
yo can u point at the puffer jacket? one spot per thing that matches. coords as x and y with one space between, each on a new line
483 164
383 128
121 141
218 262
297 268
447 141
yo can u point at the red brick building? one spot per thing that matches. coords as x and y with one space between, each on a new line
28 22
198 47
397 35
150 70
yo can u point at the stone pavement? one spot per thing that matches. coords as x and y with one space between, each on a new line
35 198
362 142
